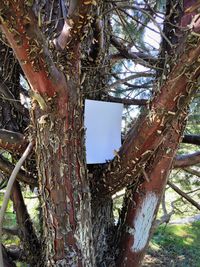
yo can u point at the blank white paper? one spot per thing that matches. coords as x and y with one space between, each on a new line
103 130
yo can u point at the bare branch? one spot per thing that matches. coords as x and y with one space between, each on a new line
12 141
192 171
183 161
7 95
184 195
191 139
126 101
137 57
129 78
22 176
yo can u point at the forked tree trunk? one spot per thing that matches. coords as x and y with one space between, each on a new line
57 117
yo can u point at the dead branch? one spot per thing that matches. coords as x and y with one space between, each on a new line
129 78
184 195
8 96
126 101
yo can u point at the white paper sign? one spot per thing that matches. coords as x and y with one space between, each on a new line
103 130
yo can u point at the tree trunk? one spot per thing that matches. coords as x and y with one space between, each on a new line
103 231
71 218
142 205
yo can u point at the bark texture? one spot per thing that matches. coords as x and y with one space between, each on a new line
137 224
79 229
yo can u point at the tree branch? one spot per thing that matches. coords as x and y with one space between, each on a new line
192 171
131 77
75 27
22 176
142 201
31 49
126 101
124 52
148 132
145 85
191 139
7 95
183 161
184 195
12 141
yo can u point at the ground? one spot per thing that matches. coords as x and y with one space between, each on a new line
175 246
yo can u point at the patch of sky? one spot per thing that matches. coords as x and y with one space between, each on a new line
25 100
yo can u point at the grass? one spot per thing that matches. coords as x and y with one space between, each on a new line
175 246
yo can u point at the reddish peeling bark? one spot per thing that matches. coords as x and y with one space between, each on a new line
57 114
21 29
183 161
147 134
64 187
143 204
